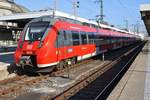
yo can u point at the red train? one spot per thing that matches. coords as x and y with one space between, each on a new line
48 42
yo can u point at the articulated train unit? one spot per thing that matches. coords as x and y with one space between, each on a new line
55 42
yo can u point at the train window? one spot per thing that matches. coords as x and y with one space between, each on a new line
113 40
65 35
97 39
91 37
67 38
83 37
75 37
35 31
103 40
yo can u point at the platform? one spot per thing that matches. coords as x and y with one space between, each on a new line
135 84
9 48
6 59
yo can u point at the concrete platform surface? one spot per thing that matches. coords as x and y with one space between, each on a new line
135 84
5 60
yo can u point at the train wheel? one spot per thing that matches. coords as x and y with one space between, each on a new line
61 65
73 61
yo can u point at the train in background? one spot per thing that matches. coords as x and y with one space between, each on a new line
56 42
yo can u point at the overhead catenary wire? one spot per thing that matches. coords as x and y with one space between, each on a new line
101 15
86 9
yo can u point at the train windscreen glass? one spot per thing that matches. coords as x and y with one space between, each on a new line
36 30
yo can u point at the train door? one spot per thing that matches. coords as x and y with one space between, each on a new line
64 48
60 46
68 47
76 42
84 49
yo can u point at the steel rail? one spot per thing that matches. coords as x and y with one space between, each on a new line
80 85
20 86
35 80
111 82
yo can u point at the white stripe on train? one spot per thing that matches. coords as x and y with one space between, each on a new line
79 58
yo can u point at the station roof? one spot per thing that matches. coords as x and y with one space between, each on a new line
145 14
36 14
23 18
145 7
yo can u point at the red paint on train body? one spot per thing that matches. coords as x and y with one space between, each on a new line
47 43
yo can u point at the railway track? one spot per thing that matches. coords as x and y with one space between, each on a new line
98 83
17 84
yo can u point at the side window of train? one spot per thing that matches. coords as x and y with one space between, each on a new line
102 40
75 38
67 38
113 40
83 37
98 39
91 37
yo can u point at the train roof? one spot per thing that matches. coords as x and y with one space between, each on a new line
86 21
80 20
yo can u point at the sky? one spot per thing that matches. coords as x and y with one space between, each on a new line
116 11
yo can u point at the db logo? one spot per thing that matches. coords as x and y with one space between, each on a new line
29 47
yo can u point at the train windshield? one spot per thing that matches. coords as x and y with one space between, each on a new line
36 30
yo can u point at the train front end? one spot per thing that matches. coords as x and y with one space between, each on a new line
33 45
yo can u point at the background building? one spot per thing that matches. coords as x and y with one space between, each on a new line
8 36
145 14
9 7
